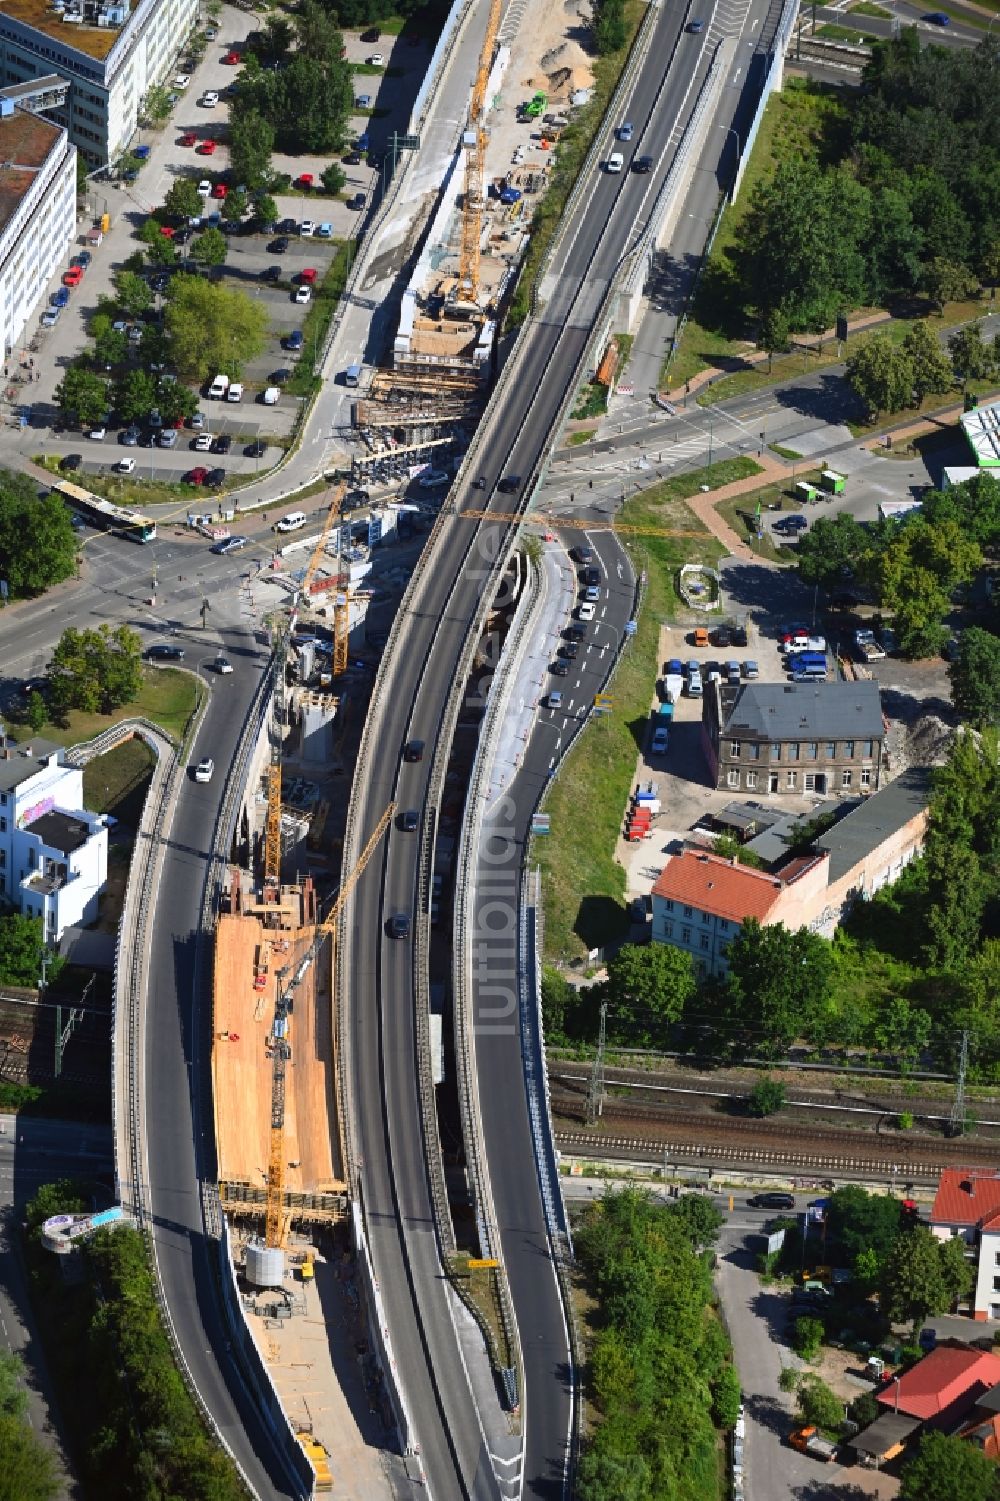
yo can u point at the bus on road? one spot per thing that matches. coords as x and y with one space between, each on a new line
105 514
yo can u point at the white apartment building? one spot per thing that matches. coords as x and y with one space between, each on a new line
53 855
37 212
110 53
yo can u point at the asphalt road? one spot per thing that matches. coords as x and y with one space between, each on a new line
411 704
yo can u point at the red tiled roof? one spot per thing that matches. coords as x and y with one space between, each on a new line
985 1432
965 1197
715 885
948 1381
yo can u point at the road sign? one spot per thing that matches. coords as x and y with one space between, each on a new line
630 627
407 143
540 823
603 702
479 1261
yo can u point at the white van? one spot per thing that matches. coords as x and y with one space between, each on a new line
291 522
219 386
271 396
615 162
235 392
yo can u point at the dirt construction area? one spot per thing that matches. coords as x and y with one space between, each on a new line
241 1065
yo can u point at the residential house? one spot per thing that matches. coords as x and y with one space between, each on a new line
967 1203
943 1388
794 738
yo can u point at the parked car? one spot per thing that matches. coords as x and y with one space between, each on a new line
70 461
771 1201
163 651
278 246
302 295
222 444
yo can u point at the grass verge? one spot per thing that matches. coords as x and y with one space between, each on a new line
740 513
568 158
866 8
832 33
317 321
583 436
116 783
584 886
783 452
168 697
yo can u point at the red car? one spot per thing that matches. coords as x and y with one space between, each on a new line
189 138
167 231
73 277
308 275
220 190
196 476
232 58
305 180
207 148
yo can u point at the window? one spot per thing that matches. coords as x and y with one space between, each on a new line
831 749
996 1284
867 747
790 777
812 751
668 930
685 935
3 825
3 859
3 883
754 752
775 752
751 780
866 776
3 799
846 777
31 859
849 749
669 904
793 751
687 911
724 928
809 780
734 749
733 778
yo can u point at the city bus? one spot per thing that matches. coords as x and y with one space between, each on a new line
105 514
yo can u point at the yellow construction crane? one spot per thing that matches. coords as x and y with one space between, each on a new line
280 1045
280 638
475 162
555 522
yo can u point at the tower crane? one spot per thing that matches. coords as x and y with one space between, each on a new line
280 637
281 1048
475 162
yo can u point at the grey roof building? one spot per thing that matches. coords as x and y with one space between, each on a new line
875 820
794 738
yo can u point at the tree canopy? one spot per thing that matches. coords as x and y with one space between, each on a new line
82 396
778 982
212 329
96 670
22 949
304 105
921 1276
948 1469
37 543
975 677
648 987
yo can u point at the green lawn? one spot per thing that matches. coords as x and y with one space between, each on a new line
584 887
740 513
116 783
866 8
169 698
326 295
845 34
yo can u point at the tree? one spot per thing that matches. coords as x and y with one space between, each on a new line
175 401
609 26
308 100
807 1336
648 987
235 206
110 347
333 179
27 1471
902 1029
932 371
95 670
727 1398
251 144
916 1280
778 982
971 356
919 569
132 293
614 1477
183 200
265 208
36 713
22 949
773 334
154 350
975 677
37 542
13 1397
135 395
819 1405
859 1221
212 329
82 396
946 281
880 374
766 1098
557 995
699 1217
160 248
833 548
948 1469
278 36
156 105
210 248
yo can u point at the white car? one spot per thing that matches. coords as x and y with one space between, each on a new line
203 443
98 434
209 99
307 228
434 479
586 612
303 294
181 81
235 392
271 396
203 771
223 665
615 162
125 466
376 60
205 188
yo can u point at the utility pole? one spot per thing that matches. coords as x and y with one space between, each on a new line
957 1122
595 1094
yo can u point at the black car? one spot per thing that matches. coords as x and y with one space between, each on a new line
372 35
509 484
413 750
771 1201
591 576
357 203
70 462
576 630
222 444
255 450
280 377
278 246
559 668
163 652
642 165
215 477
352 159
182 235
410 820
160 282
147 439
288 227
570 650
399 926
271 273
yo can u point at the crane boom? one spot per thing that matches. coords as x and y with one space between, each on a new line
475 162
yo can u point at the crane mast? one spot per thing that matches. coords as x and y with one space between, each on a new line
475 138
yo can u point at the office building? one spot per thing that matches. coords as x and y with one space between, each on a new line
37 213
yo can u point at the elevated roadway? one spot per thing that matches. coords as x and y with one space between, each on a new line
443 606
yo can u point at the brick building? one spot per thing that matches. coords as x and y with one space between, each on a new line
794 738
